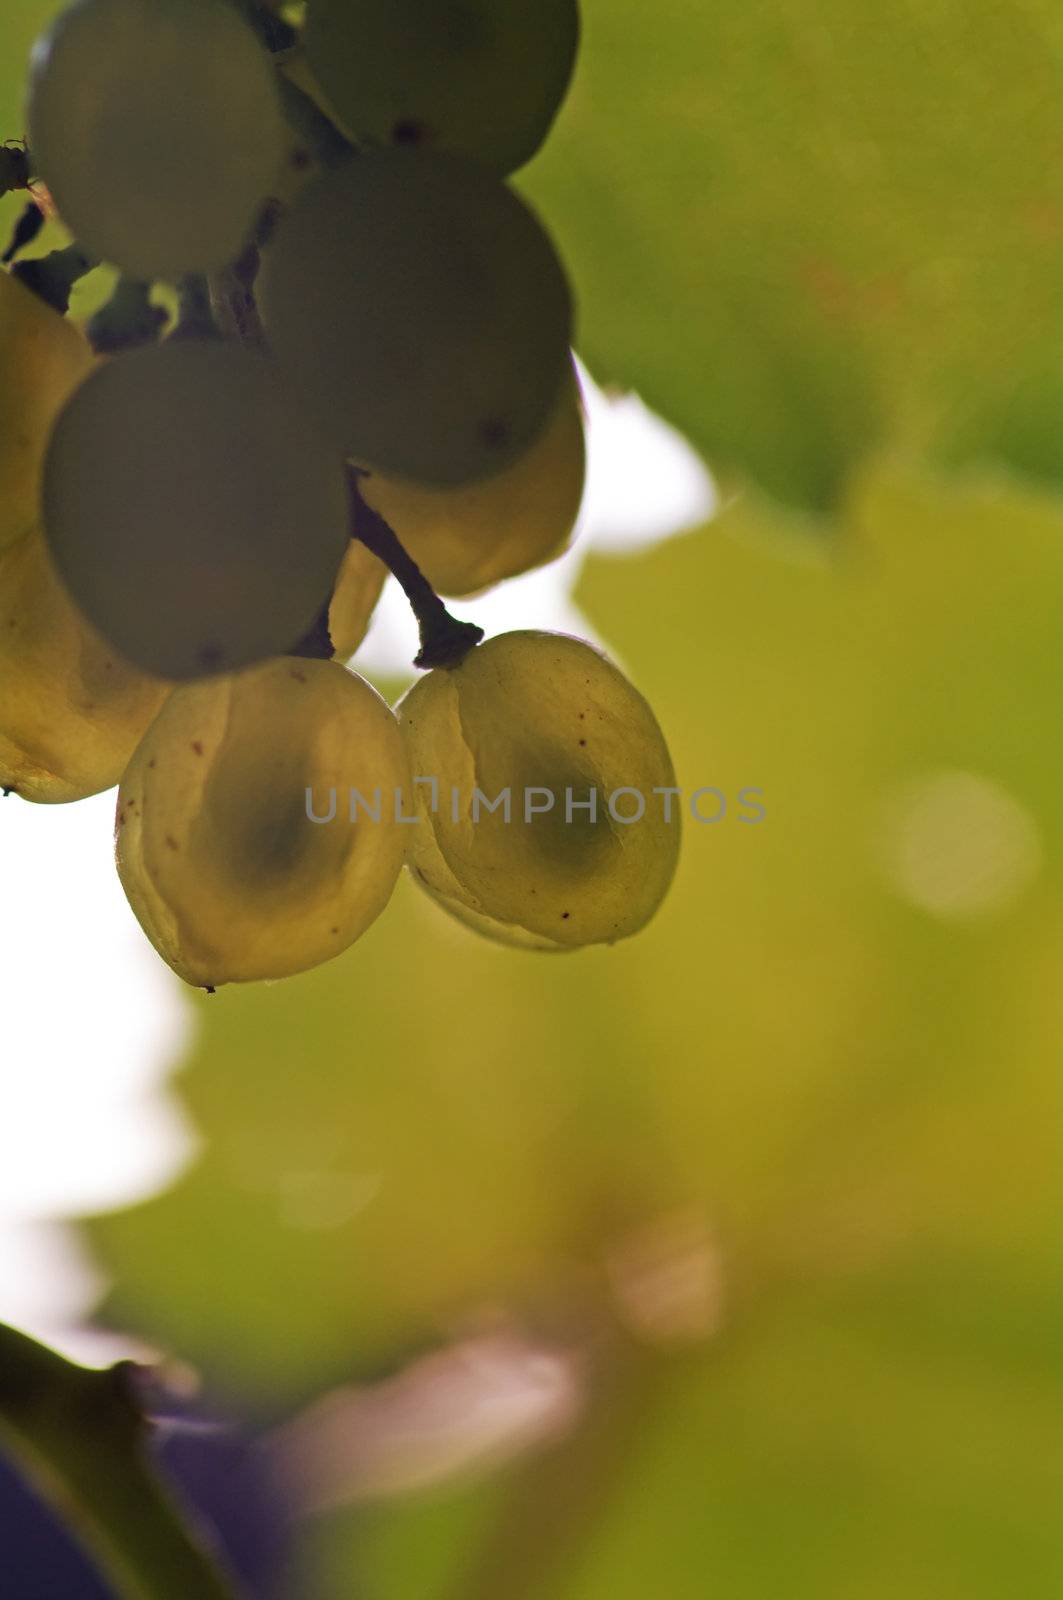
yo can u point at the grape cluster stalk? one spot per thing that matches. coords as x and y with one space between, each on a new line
369 371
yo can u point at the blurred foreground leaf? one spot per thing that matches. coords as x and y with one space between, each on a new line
80 1437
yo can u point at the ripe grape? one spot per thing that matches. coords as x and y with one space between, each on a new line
71 710
358 587
420 308
484 78
228 875
43 358
196 517
471 537
539 711
157 128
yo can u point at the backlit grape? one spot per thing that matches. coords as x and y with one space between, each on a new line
549 720
43 358
230 877
481 77
157 128
361 578
71 710
196 517
468 538
419 307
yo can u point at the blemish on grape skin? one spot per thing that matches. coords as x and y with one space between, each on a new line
197 747
407 131
151 763
583 742
300 677
211 657
494 432
172 842
565 915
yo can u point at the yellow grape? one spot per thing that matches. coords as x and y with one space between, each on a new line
540 711
468 538
43 358
228 875
361 578
71 709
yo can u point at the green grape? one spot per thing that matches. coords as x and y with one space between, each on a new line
361 578
43 358
228 874
71 710
529 712
484 78
195 516
157 128
422 312
471 537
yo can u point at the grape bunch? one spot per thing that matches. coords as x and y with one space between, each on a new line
338 345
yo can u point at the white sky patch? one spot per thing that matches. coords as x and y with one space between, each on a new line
93 1024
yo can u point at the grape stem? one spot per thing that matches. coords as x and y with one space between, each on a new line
195 312
53 276
445 642
316 643
30 222
127 320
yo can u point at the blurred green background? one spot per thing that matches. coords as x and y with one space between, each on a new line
827 242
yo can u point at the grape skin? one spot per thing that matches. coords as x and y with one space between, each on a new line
195 516
228 876
157 128
467 539
530 709
361 578
43 358
420 309
71 711
484 78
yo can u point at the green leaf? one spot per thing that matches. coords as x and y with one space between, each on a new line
803 229
431 1123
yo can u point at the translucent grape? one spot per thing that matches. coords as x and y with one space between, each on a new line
421 310
358 587
197 519
545 716
484 78
43 358
71 710
228 874
157 128
468 538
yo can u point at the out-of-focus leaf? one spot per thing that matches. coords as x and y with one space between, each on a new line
873 1440
827 1069
800 227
